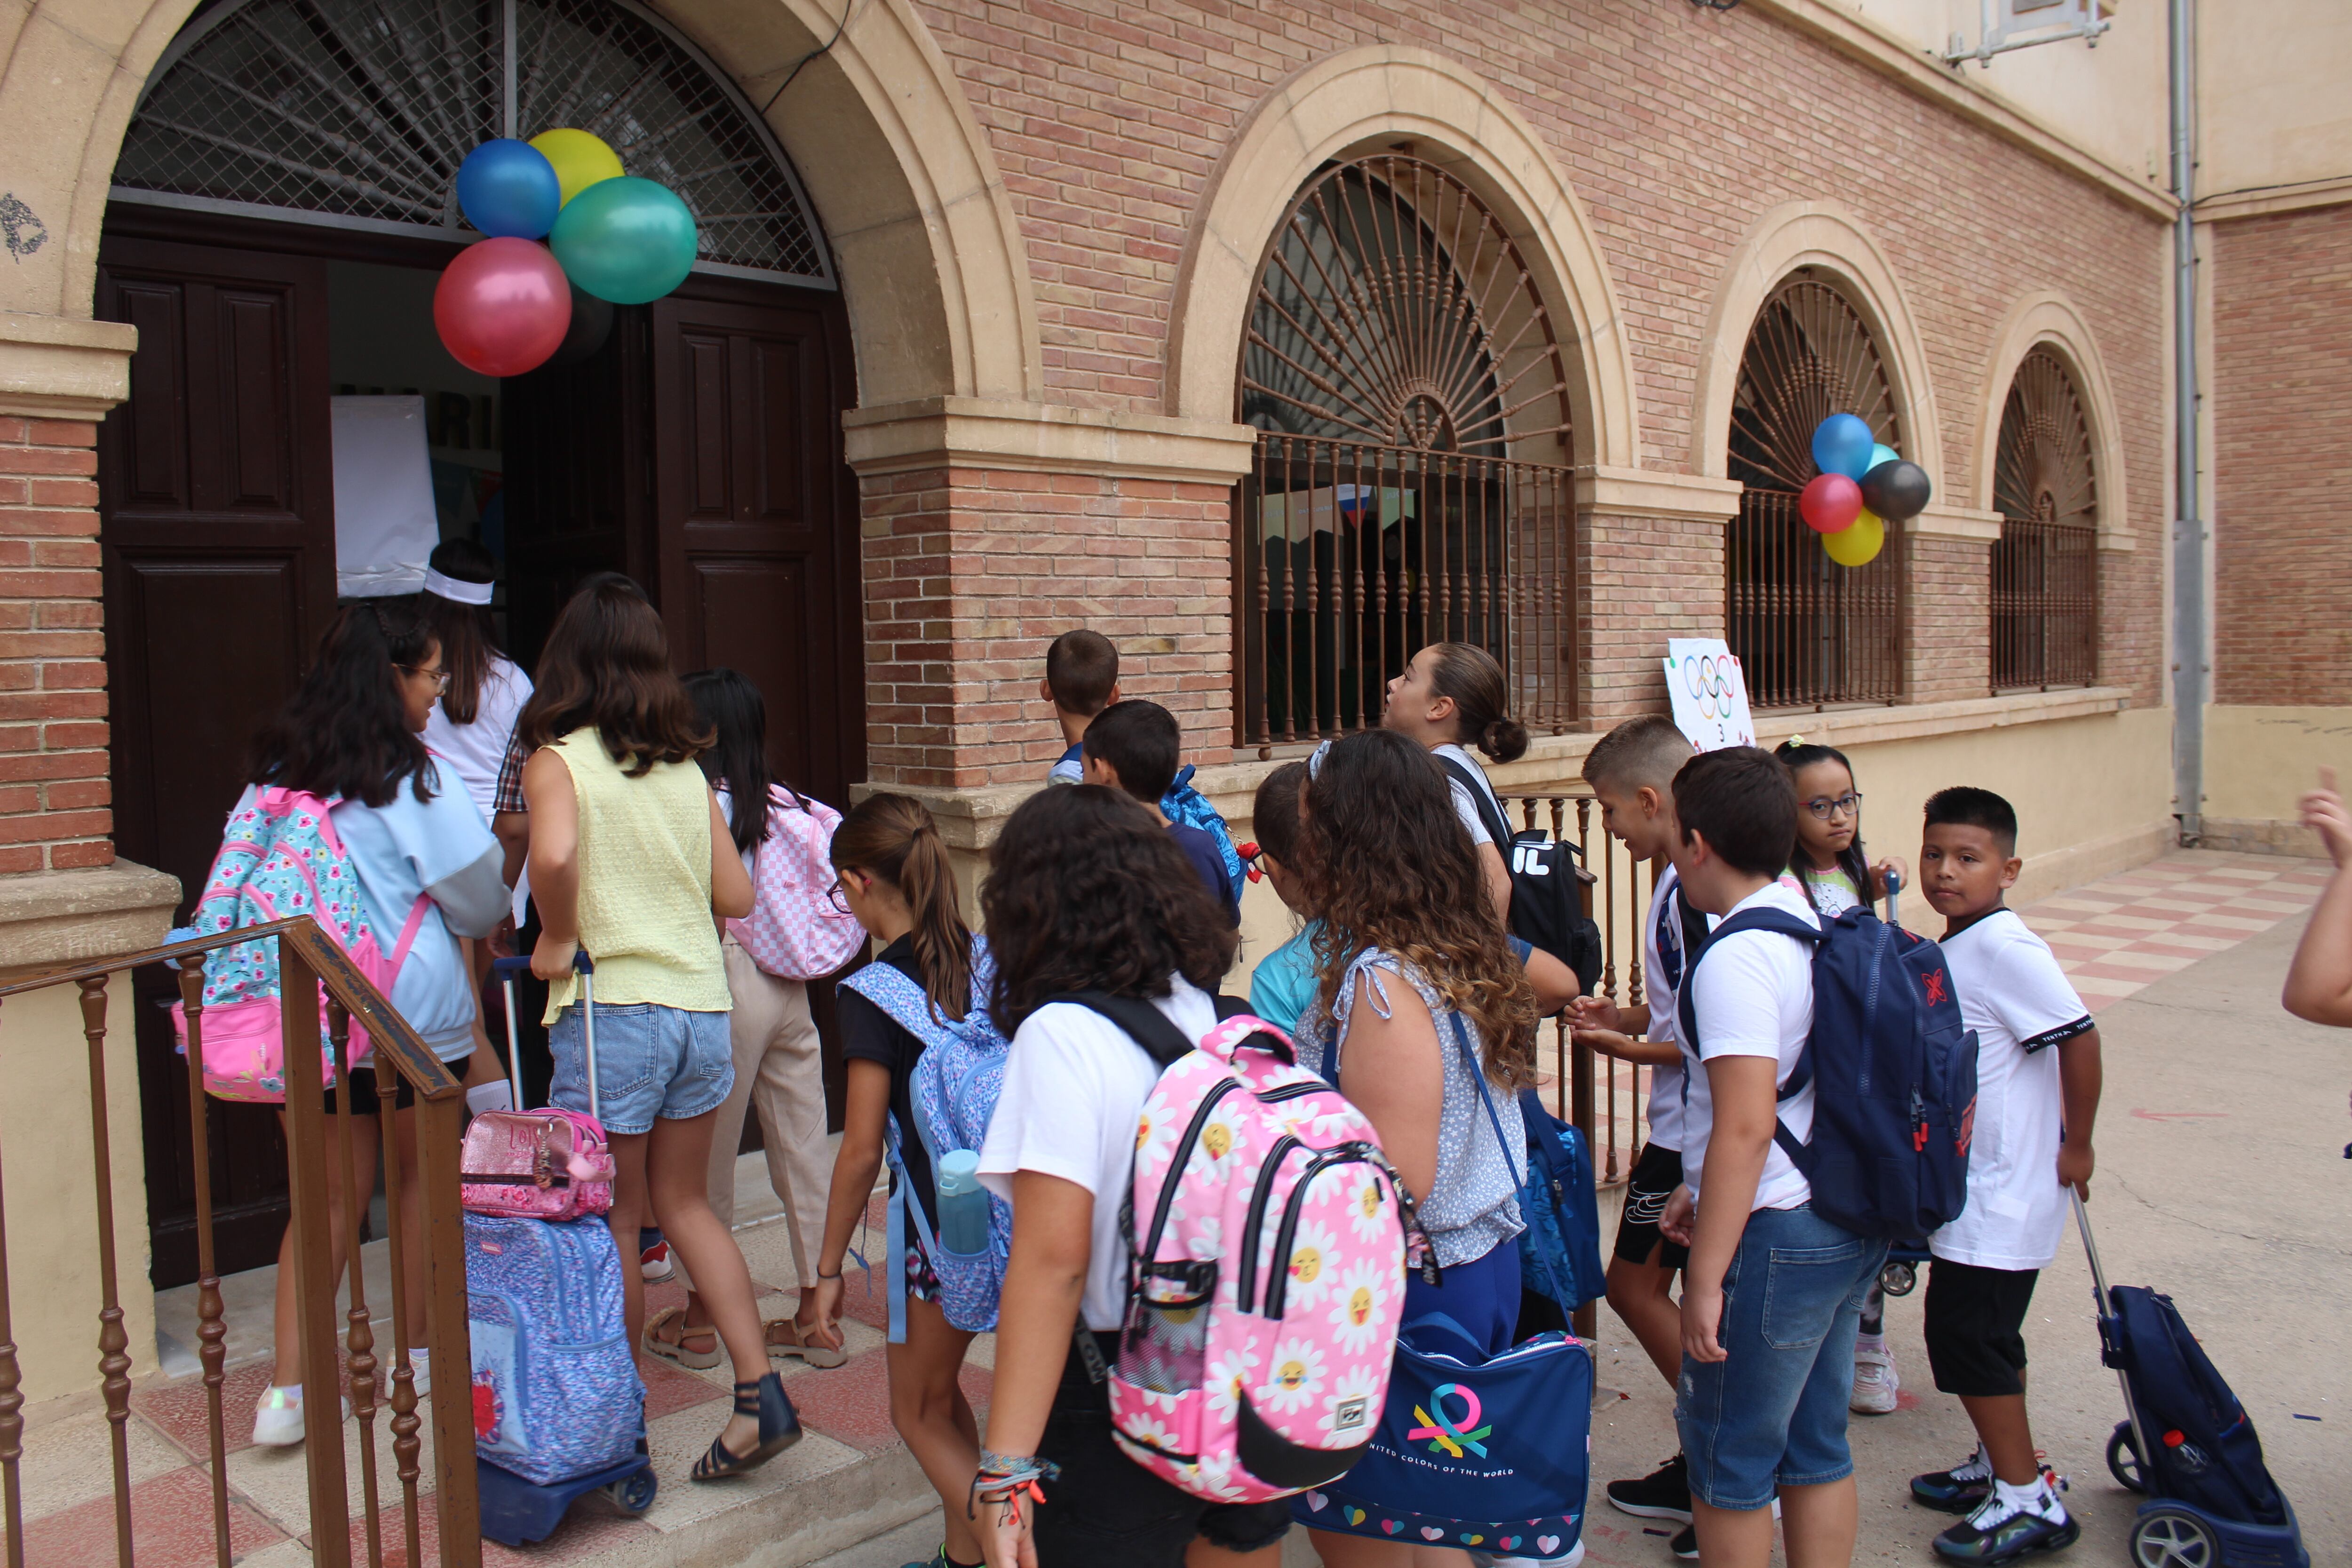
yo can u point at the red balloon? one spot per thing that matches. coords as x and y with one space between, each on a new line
503 306
1829 503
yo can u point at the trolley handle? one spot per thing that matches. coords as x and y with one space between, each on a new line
506 969
2106 1314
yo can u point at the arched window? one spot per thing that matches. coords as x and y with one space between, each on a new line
356 113
1807 631
2045 569
1410 484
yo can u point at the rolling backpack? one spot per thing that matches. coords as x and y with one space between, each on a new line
1547 904
954 1091
1188 805
1266 1246
1894 1071
280 857
556 1392
793 932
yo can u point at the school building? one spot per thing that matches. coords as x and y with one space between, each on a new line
1272 339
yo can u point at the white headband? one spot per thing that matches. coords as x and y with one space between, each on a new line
459 593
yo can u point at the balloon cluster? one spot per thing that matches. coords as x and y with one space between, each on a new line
509 303
1863 485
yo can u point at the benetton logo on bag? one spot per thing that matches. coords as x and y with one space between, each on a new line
1446 1436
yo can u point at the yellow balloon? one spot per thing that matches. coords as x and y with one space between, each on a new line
1858 544
581 159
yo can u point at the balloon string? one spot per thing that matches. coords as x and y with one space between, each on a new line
840 27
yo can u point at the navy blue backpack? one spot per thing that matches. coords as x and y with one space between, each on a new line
1894 1070
2204 1447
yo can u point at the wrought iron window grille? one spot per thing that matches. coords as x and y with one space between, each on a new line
2045 566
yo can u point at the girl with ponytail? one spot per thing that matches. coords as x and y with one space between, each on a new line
896 878
1452 695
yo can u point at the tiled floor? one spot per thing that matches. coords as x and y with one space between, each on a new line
2117 936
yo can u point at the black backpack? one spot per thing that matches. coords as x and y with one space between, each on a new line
1547 897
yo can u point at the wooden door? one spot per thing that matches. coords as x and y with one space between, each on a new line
216 499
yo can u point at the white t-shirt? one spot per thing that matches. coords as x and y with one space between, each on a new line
1753 997
1465 805
1662 964
2015 996
476 751
1074 1091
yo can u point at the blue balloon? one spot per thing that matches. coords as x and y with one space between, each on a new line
628 240
508 189
1842 445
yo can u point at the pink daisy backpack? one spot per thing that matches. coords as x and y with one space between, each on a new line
1267 1237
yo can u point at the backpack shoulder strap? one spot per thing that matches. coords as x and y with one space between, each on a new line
1786 924
1498 827
1141 1022
1694 923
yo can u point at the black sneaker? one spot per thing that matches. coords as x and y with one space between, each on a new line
1990 1536
1664 1493
1960 1490
1685 1545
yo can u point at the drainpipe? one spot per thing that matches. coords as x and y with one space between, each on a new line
2192 659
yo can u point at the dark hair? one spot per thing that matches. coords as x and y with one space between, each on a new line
1469 675
468 637
1142 740
893 837
1742 800
1086 890
606 663
1645 752
344 732
1081 666
737 759
1274 814
1388 865
1965 806
1796 756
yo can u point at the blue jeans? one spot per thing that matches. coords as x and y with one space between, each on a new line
1773 1413
651 1061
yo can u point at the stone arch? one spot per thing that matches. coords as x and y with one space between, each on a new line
2047 319
934 272
1365 100
1827 238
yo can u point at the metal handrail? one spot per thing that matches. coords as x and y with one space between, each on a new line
308 958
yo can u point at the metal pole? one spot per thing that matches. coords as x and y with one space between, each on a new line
2191 652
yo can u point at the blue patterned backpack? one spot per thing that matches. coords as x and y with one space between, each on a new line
1188 805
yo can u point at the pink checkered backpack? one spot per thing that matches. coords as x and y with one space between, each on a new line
793 932
1268 1239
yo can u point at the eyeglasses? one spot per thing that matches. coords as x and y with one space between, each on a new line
1823 807
837 897
440 677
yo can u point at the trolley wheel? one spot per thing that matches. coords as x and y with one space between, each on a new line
1898 1279
633 1493
2174 1538
2122 1460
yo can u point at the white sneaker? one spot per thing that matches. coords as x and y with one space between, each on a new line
277 1419
1575 1555
1875 1381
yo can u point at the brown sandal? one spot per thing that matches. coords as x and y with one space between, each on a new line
676 1350
792 1344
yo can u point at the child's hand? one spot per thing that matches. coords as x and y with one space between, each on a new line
1891 863
1702 1315
825 1311
1679 1218
1608 1042
2074 1162
1595 1012
551 958
2324 813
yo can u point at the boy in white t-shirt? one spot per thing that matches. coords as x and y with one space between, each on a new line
1768 1351
2037 1095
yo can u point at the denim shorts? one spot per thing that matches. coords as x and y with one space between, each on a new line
1773 1413
651 1061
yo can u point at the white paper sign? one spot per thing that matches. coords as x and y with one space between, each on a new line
1710 694
385 523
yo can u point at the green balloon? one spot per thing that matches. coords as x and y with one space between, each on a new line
627 240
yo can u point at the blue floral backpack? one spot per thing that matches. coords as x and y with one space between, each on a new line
1185 804
953 1089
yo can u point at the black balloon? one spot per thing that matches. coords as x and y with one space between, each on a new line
1897 491
592 323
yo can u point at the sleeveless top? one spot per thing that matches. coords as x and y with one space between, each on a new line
645 883
1476 1204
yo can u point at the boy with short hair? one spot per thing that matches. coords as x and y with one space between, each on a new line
1136 746
1768 1351
1081 680
1632 770
2037 1097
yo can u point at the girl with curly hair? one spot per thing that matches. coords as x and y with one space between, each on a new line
1419 997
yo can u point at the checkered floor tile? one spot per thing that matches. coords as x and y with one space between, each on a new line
2116 936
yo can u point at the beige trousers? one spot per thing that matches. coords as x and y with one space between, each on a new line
777 1067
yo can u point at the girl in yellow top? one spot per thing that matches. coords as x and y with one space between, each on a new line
630 858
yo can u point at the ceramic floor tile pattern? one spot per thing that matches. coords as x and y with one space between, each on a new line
2114 937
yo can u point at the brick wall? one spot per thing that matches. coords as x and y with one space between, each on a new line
1645 579
53 768
2282 289
1951 610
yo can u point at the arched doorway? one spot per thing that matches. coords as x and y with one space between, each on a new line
1808 632
2045 566
281 205
1410 483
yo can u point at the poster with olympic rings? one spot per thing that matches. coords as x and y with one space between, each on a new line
1709 695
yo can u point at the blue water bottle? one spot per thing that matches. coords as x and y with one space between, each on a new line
963 1203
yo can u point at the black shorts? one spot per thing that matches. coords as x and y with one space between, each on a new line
366 1101
1656 1176
1976 1318
1107 1509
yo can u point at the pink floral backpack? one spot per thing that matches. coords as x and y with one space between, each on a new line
1267 1237
793 932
